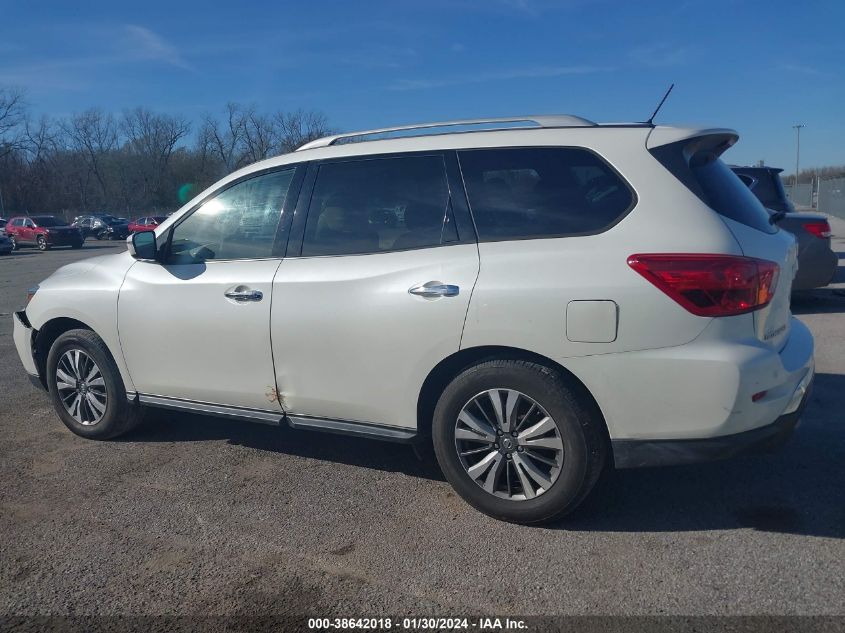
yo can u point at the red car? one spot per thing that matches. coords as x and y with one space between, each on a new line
43 231
146 224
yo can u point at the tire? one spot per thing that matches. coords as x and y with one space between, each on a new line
575 425
14 242
118 415
42 243
99 236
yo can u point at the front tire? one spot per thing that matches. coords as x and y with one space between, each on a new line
86 388
517 441
41 241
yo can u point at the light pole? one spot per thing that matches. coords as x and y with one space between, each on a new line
797 149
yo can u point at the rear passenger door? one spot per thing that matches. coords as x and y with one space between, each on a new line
374 289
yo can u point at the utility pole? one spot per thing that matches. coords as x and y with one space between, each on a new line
797 149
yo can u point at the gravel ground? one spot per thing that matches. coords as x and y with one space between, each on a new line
194 515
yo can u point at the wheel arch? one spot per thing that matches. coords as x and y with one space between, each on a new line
451 366
47 335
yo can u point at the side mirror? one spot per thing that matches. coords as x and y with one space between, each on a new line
142 245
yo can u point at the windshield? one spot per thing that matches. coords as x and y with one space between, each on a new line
47 220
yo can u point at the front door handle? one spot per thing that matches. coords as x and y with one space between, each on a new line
435 289
242 293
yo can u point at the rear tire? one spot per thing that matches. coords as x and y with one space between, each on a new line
557 481
86 388
14 242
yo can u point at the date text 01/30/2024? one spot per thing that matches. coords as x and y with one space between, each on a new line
421 623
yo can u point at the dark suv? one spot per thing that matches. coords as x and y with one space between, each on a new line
43 231
102 226
817 262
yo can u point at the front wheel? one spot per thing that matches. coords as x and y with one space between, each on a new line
517 441
86 388
42 243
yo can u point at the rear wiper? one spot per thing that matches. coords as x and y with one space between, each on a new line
776 217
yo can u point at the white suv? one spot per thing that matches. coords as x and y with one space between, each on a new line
539 300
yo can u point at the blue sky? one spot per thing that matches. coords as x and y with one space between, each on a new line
759 67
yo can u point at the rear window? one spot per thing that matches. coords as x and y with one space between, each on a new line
538 192
726 194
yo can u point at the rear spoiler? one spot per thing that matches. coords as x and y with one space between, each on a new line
714 141
678 149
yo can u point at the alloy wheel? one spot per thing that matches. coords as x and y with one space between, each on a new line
508 444
81 387
42 243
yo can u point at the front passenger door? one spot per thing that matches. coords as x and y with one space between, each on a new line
196 326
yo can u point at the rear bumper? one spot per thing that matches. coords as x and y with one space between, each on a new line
697 401
640 453
817 265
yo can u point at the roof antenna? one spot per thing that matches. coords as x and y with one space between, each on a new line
659 105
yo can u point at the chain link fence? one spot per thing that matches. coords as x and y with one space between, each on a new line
831 197
827 196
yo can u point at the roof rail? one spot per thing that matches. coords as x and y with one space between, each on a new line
544 120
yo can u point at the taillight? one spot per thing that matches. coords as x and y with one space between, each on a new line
711 285
819 228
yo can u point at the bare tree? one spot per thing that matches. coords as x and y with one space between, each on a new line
139 163
224 140
260 136
151 139
300 127
12 117
94 135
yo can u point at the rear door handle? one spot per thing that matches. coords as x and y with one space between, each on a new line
241 294
435 289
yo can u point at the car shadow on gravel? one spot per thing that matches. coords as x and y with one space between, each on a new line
820 300
171 426
796 490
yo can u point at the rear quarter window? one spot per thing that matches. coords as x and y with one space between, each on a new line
726 194
537 192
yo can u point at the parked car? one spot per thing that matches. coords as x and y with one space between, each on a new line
103 227
43 231
817 262
550 301
3 225
5 244
146 224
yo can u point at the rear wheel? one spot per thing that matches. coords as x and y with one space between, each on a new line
86 388
14 242
517 442
41 241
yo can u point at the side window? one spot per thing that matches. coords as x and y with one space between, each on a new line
378 205
17 222
239 223
29 223
541 192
